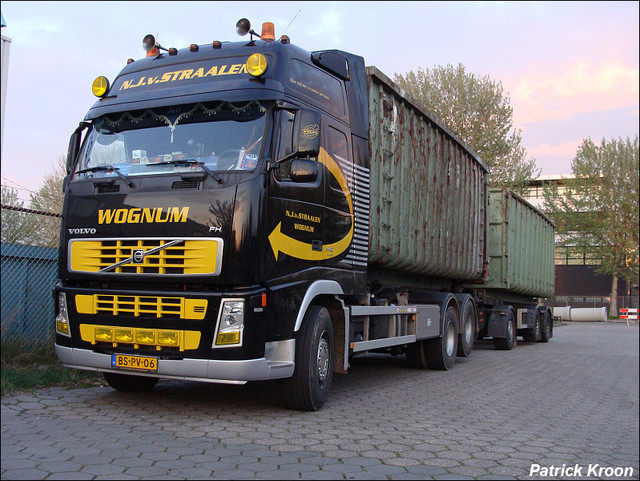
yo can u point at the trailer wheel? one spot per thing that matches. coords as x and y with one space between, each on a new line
441 352
533 336
128 383
467 329
506 343
417 355
308 388
547 327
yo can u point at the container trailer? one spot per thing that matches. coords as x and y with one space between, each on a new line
247 211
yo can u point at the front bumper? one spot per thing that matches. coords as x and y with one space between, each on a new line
277 363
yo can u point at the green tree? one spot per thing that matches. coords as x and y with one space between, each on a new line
598 211
49 198
479 111
13 221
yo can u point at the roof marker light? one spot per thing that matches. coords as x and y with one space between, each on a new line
193 47
216 44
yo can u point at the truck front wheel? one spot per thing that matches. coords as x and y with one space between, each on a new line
125 382
308 388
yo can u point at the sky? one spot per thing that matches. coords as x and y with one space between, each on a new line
570 69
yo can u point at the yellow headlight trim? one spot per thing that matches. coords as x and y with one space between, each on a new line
257 64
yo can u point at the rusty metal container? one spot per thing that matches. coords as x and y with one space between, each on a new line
428 190
520 246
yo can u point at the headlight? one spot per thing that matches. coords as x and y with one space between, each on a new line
257 64
100 86
230 323
62 319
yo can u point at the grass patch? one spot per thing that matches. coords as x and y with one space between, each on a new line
36 367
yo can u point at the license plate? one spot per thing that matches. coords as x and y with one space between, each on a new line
136 363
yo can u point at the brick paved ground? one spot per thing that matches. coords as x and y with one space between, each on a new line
573 401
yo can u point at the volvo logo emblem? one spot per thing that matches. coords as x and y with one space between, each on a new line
138 256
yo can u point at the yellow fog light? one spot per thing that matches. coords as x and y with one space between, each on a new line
146 337
168 338
103 334
124 335
62 326
257 64
225 338
100 86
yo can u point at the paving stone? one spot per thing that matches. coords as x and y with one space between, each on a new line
382 421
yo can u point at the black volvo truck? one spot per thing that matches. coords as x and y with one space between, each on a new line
245 211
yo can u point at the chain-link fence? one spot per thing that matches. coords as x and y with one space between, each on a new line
29 272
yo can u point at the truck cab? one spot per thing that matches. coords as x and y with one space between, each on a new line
210 191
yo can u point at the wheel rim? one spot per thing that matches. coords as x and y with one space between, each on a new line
451 340
510 329
323 359
468 330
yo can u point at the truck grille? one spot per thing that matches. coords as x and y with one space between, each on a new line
151 256
142 306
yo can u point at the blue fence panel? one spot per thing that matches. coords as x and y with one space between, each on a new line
28 276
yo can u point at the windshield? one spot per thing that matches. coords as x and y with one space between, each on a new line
217 136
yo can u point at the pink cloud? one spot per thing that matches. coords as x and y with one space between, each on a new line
578 87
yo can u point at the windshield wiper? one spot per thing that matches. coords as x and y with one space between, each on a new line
213 174
107 168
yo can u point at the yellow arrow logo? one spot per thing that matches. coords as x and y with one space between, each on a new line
283 243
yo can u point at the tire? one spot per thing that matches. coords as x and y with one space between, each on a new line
534 336
308 388
417 355
507 343
441 352
467 329
547 327
128 383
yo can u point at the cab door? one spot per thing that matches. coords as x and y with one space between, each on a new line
295 216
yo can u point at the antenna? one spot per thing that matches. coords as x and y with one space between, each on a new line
285 30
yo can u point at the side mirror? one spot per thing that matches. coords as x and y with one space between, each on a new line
74 146
307 130
303 170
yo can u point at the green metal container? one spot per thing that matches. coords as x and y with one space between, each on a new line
428 190
520 243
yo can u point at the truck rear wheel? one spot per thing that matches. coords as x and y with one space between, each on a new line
467 329
417 355
533 336
506 343
308 388
441 352
128 383
547 327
